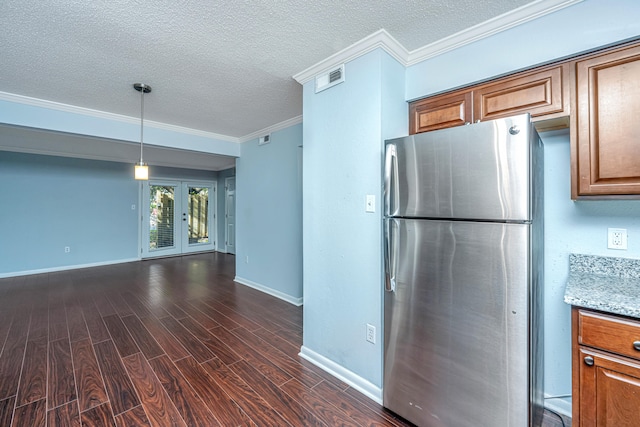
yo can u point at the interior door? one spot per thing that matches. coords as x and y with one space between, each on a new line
180 217
230 215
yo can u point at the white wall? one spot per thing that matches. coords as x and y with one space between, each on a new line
269 215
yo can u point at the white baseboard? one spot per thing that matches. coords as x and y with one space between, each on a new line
363 386
561 405
66 267
268 290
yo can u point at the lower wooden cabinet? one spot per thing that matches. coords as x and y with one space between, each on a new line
606 383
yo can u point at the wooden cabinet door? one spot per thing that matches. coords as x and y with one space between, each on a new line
607 135
439 112
609 391
544 92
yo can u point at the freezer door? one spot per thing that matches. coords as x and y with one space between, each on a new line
479 171
456 324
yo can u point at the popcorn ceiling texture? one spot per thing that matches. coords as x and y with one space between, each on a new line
218 66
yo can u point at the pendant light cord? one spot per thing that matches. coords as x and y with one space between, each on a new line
141 121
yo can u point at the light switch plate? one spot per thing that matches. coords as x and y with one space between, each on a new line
370 203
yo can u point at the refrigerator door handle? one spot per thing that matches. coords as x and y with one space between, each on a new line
390 254
390 180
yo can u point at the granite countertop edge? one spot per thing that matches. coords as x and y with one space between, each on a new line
606 284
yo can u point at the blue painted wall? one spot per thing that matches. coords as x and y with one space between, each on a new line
583 26
84 204
269 213
108 127
578 227
343 132
573 227
344 129
52 202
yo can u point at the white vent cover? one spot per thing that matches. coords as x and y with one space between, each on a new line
264 139
330 78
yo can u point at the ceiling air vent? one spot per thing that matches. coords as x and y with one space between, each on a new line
264 139
330 78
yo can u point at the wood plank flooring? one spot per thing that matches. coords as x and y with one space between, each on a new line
167 342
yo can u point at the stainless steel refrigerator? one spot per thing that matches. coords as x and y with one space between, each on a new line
463 275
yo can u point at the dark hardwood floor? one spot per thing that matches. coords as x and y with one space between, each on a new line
167 342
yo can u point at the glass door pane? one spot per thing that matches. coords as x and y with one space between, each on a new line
161 217
179 217
160 226
197 217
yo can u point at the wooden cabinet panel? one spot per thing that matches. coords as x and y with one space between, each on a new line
609 391
542 92
606 386
440 112
607 141
609 333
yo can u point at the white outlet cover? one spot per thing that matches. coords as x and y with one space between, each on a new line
617 238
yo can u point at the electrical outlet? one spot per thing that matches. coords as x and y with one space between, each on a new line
617 238
67 249
371 333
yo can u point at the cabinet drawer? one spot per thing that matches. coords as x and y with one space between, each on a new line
609 333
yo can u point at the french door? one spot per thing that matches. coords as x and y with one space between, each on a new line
178 217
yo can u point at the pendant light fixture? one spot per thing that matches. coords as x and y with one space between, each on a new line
141 169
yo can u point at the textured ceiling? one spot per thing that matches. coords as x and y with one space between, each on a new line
216 66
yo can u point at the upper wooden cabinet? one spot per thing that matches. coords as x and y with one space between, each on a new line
605 129
543 92
445 111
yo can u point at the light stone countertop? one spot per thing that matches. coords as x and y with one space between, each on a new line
608 284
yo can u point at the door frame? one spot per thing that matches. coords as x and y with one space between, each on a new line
181 245
226 215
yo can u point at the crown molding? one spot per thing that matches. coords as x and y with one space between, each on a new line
382 39
52 105
278 126
379 39
488 28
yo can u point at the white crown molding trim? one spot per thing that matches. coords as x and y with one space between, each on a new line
488 28
382 39
66 267
52 105
267 290
379 39
356 381
278 126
